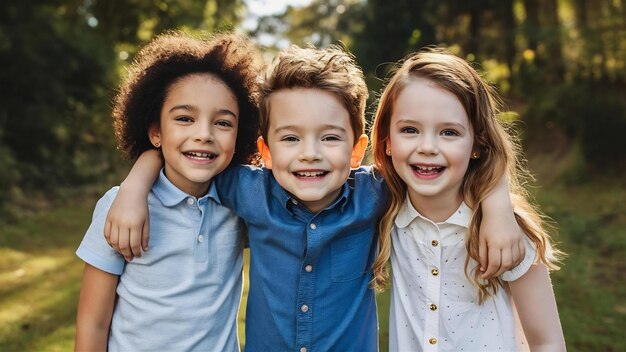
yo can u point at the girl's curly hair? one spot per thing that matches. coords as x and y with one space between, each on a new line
232 58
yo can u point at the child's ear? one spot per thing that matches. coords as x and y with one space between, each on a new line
358 152
154 133
264 150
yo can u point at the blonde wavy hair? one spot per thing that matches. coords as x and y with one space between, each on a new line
500 155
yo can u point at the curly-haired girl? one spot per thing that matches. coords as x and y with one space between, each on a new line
194 100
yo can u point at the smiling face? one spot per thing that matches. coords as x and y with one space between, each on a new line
197 131
431 141
311 142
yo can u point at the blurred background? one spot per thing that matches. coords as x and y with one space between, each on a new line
559 64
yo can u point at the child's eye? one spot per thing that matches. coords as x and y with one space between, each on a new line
409 130
289 138
331 137
224 123
449 133
184 119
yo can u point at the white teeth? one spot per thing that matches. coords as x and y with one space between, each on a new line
426 168
200 155
310 173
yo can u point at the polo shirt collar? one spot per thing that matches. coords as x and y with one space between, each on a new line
461 217
171 195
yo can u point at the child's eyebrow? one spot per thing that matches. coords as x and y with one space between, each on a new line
445 124
188 107
322 127
226 112
455 125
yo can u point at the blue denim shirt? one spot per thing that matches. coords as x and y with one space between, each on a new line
309 273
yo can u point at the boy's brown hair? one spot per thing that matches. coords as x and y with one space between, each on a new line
333 70
167 58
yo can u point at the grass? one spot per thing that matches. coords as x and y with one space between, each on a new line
40 275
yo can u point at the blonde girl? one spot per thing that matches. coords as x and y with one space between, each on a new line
441 148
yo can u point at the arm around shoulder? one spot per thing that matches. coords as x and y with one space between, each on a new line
537 309
127 224
501 241
95 309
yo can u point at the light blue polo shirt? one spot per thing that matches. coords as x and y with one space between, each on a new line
184 293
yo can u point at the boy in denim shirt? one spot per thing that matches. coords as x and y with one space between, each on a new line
311 219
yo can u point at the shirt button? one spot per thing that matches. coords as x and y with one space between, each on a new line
433 307
435 271
434 243
190 201
295 202
432 340
308 268
302 349
313 226
304 308
200 238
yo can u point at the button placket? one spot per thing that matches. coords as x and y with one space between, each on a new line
305 289
433 288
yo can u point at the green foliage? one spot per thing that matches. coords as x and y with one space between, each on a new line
53 107
591 113
9 175
60 64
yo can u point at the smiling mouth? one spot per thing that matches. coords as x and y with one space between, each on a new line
427 170
200 156
310 174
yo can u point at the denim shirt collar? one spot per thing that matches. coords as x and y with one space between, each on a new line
288 201
171 195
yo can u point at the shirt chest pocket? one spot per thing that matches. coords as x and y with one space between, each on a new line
225 257
349 256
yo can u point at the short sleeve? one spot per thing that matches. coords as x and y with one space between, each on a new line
242 188
94 249
522 268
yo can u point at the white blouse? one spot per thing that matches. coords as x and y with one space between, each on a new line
434 307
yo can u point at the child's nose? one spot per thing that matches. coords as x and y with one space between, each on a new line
310 151
427 144
204 133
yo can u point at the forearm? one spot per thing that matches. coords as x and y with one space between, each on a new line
143 173
537 309
501 241
498 201
90 337
95 309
